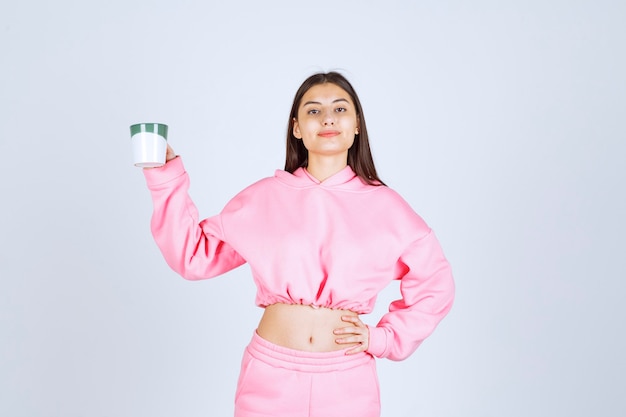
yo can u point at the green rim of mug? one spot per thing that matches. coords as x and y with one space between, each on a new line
158 128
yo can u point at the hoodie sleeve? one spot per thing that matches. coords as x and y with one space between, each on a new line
427 290
194 249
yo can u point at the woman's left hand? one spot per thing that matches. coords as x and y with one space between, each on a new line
358 333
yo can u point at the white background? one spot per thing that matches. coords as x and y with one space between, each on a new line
501 122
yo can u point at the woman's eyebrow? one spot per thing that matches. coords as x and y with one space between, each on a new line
319 104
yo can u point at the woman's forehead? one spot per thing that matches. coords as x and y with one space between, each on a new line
325 93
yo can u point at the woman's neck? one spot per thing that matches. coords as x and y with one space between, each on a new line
323 168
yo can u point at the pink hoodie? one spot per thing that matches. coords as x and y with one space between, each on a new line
335 244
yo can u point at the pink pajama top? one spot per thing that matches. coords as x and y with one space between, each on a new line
335 243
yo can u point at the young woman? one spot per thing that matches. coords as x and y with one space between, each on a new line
322 237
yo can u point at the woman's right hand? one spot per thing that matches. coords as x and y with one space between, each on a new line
170 154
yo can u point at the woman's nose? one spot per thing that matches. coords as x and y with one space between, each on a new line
329 118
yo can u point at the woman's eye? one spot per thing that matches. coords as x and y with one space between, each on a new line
340 109
313 111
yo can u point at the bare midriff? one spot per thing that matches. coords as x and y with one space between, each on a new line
304 327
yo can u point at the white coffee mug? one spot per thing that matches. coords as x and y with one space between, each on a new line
149 144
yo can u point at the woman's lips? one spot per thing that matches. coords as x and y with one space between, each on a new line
328 133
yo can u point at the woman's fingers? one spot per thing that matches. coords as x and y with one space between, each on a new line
357 334
170 154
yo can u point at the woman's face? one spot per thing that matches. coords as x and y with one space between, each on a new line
326 121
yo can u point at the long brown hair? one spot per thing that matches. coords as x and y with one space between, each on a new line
359 155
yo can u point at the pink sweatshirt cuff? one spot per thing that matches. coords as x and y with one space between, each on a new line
378 341
166 173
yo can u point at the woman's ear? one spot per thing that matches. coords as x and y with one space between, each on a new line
296 129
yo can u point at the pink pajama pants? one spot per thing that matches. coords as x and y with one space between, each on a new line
281 382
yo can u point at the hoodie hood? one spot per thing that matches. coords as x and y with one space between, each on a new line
346 179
